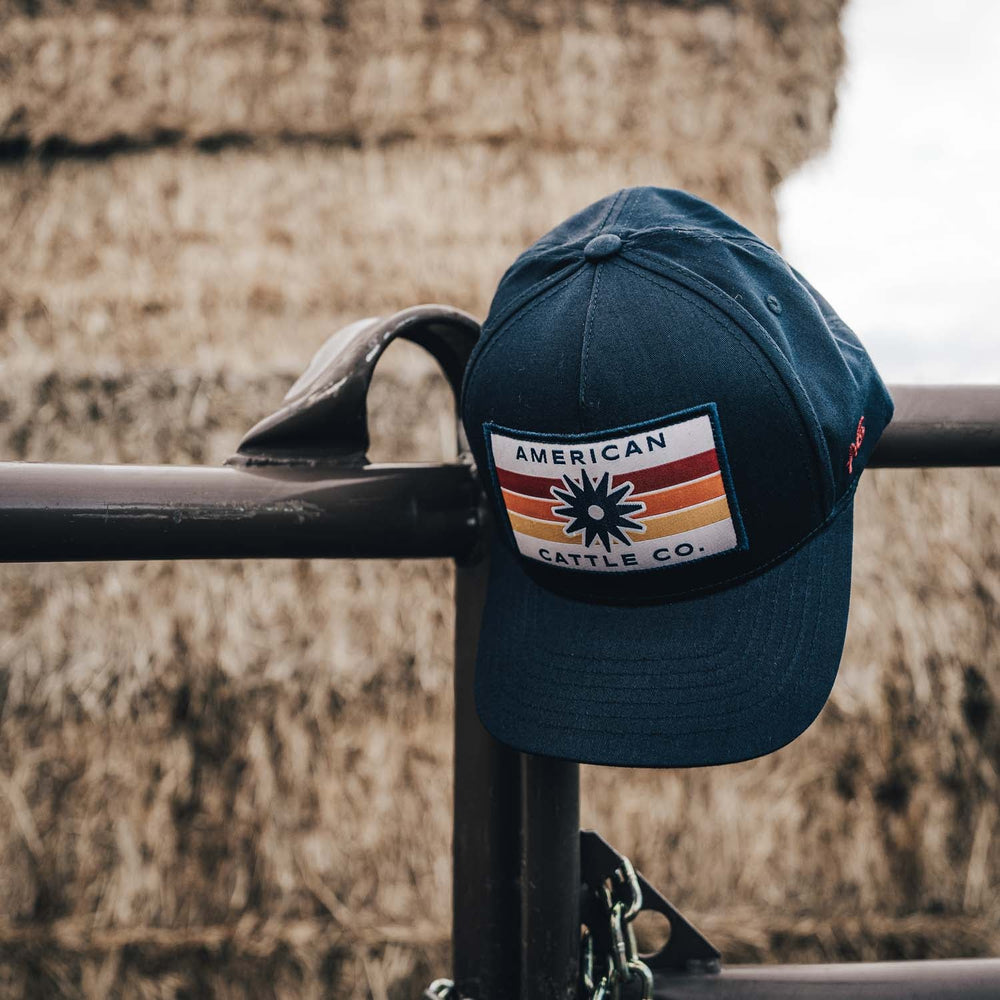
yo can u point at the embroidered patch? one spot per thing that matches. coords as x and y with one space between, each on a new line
635 498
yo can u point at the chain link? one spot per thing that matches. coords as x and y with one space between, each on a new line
587 962
621 896
601 977
441 989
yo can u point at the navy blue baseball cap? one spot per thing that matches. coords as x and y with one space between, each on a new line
670 424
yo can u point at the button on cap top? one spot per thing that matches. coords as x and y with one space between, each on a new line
605 245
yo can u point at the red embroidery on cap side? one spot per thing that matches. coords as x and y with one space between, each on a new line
855 445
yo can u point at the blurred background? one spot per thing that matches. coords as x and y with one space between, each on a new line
896 220
233 780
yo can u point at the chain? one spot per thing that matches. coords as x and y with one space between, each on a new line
601 977
621 897
441 989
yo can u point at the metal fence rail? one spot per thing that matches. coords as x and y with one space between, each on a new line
51 512
955 979
516 851
941 425
346 509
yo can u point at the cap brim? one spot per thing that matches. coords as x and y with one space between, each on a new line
711 680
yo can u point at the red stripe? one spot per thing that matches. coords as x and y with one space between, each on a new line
657 477
661 476
532 486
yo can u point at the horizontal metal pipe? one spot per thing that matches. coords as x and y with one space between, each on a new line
954 979
941 425
54 512
77 512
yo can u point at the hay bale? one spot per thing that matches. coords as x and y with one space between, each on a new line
741 81
308 164
295 742
250 259
206 769
206 759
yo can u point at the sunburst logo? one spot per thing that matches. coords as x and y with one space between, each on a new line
597 510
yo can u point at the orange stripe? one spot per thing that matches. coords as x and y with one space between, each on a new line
678 497
547 530
683 520
532 506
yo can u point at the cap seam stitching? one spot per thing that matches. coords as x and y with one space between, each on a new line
536 289
619 194
776 388
820 442
584 344
553 250
505 327
706 234
624 216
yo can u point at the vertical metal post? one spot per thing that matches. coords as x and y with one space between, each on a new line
516 847
550 878
486 912
516 840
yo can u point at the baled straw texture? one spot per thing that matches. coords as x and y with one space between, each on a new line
234 779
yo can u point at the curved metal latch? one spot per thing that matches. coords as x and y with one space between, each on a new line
324 418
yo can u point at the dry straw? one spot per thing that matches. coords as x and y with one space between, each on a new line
234 779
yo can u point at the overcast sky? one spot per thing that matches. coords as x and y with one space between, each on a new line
899 224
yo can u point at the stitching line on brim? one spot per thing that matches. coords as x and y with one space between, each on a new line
533 612
753 710
743 716
747 712
734 682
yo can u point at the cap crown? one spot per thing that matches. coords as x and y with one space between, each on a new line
656 358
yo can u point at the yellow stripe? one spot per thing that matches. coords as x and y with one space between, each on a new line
542 529
683 520
656 527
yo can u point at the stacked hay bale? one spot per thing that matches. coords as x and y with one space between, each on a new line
235 778
367 155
